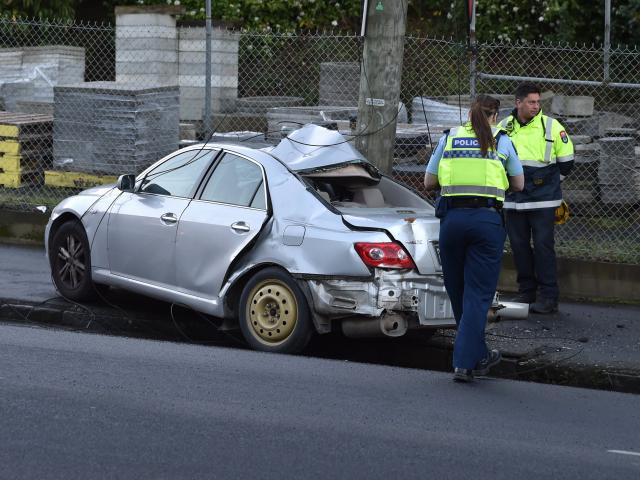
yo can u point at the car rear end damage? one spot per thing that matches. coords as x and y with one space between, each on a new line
389 304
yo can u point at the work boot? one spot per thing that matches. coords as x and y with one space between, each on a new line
544 305
525 297
484 365
462 375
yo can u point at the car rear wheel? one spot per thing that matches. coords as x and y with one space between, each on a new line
274 314
70 260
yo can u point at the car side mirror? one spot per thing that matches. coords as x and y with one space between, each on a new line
126 183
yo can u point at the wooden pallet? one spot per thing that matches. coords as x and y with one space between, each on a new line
17 125
17 163
16 146
58 178
20 179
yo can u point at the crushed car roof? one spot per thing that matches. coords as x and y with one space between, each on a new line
314 147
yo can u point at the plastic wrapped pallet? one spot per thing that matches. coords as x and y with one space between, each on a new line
114 128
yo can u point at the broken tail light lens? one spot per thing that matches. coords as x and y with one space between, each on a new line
385 255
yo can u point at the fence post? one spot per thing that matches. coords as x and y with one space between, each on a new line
380 75
607 39
207 83
473 50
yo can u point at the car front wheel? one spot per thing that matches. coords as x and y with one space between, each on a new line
70 260
274 314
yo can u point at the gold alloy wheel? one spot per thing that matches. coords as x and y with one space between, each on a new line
272 311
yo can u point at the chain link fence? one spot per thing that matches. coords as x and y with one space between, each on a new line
81 104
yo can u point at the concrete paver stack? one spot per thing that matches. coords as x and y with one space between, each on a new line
109 128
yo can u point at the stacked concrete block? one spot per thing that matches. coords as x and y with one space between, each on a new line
66 64
147 45
260 105
339 83
113 127
412 143
29 73
283 120
426 110
572 106
581 186
28 106
192 71
618 171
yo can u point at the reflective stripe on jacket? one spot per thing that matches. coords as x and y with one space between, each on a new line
544 149
463 170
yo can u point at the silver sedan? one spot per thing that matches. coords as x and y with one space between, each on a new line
303 237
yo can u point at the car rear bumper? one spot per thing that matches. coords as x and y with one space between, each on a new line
398 292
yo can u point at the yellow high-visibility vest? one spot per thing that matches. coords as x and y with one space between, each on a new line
463 171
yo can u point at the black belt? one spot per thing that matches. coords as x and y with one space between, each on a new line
474 202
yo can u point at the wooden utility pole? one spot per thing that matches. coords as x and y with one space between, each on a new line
380 75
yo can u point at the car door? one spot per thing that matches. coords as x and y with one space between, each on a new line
142 225
218 225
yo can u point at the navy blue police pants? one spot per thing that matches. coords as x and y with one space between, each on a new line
471 245
536 266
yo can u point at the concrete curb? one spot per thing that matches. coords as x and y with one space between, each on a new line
109 321
410 353
518 366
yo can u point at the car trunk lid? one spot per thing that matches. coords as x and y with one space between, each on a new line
416 229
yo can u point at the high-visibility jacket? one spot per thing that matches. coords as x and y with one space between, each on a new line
546 152
464 171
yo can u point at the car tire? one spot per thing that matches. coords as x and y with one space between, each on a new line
274 313
70 260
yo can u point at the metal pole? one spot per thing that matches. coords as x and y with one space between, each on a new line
363 25
607 38
473 45
207 83
590 83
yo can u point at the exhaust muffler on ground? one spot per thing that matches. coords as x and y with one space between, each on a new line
508 311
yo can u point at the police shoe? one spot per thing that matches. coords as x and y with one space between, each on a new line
544 305
524 298
462 375
484 365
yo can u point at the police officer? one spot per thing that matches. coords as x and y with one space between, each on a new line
473 165
546 153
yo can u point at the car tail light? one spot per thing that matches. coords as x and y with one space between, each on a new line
386 255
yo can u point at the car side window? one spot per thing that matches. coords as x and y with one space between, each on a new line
178 175
236 181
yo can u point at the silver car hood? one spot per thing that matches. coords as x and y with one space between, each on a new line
314 147
416 229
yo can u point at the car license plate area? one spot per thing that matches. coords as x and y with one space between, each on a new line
434 307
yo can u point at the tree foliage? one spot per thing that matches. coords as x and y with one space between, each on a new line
506 20
63 9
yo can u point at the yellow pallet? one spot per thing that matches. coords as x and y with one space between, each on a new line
54 178
10 146
16 164
29 147
14 124
20 179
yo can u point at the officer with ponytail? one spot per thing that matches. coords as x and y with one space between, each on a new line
473 166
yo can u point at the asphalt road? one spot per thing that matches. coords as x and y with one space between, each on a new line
77 405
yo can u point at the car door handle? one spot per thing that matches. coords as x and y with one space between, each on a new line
169 218
240 227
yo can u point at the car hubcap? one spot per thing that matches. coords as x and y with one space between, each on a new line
272 311
71 262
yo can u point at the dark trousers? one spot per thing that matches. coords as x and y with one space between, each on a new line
536 265
471 244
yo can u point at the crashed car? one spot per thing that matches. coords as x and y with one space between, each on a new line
303 237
